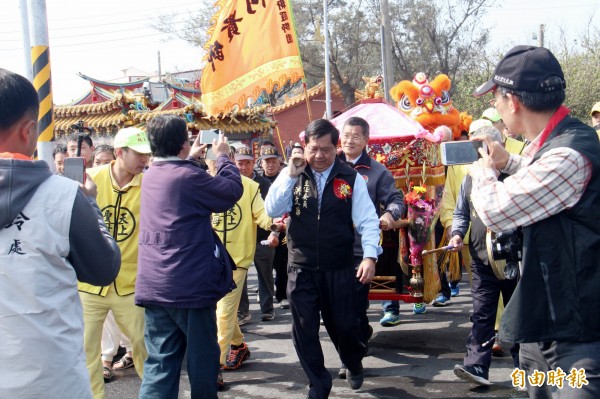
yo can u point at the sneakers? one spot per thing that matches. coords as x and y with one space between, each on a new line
355 380
284 304
220 382
389 319
475 373
244 319
237 355
342 372
267 316
454 291
419 308
440 301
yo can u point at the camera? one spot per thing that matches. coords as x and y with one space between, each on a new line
508 246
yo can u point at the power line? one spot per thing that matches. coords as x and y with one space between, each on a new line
121 39
110 23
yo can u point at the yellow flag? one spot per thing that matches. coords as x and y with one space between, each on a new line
252 47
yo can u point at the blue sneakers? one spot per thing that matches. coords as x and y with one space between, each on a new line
419 308
476 374
440 301
454 291
389 319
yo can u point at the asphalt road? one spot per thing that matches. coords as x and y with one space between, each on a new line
412 360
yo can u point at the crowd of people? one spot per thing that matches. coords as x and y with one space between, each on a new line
151 251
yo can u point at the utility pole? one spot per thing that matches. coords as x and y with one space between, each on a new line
159 68
25 35
327 69
541 36
386 50
40 58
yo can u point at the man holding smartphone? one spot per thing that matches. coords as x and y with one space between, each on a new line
51 235
119 190
553 192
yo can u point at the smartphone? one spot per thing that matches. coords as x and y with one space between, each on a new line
75 169
461 152
207 136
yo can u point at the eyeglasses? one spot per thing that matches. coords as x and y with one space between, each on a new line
354 137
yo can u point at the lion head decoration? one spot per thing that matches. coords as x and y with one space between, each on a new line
428 102
373 86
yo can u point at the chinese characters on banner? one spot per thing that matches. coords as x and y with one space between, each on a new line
575 379
252 48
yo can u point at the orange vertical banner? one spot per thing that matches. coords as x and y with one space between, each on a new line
252 47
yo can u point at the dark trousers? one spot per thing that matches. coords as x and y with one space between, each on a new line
263 261
362 297
168 333
485 290
333 295
280 265
549 356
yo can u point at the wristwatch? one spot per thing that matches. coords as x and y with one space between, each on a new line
373 259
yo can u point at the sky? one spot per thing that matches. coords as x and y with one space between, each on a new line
100 38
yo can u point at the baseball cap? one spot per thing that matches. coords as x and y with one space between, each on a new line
525 68
134 138
243 153
268 152
478 124
491 114
595 108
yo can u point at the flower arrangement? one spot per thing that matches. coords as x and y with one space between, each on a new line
416 199
421 212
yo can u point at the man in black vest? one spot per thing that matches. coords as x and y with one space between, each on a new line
325 201
553 191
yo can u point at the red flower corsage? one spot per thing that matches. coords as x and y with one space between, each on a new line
341 189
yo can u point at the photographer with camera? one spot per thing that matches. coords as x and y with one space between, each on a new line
553 192
485 286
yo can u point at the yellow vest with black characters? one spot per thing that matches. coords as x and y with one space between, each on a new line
237 227
120 208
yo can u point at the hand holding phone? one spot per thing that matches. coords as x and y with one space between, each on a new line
220 145
198 149
89 188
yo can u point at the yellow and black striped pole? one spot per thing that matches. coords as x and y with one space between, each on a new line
40 60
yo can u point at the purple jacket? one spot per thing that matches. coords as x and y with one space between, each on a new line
181 262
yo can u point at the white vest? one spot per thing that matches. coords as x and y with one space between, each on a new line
41 321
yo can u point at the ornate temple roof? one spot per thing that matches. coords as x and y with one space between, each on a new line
110 106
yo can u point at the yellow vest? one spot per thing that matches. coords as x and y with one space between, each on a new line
121 211
237 227
514 146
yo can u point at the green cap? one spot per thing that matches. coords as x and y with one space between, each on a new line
134 138
491 114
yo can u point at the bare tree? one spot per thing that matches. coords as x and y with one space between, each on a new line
441 36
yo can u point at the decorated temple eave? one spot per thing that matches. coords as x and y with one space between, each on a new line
114 119
240 122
